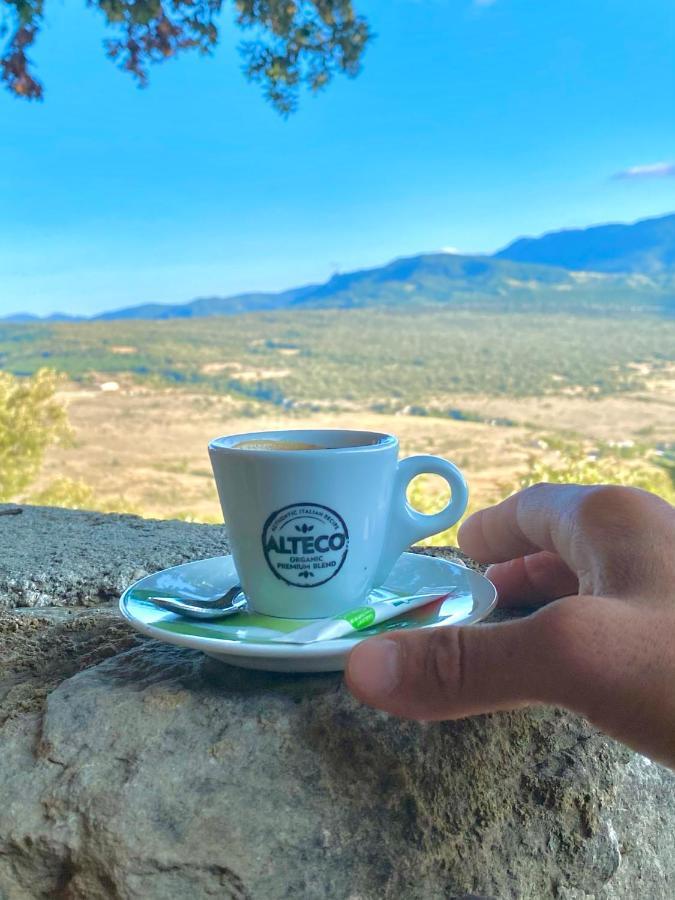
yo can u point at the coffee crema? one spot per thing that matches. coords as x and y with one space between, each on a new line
276 444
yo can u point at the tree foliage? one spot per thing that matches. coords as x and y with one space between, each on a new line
31 419
625 464
561 461
293 43
70 493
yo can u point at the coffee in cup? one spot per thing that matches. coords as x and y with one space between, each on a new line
278 444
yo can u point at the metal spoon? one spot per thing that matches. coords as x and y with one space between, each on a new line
232 601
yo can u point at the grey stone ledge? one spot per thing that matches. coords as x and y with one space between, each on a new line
130 769
56 557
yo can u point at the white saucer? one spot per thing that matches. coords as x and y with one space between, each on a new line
244 639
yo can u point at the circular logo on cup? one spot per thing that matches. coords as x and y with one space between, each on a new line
305 544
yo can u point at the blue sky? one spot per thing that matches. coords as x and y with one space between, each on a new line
471 123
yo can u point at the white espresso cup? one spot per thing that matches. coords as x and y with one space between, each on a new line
313 528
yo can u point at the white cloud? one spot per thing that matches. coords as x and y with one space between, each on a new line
651 170
452 250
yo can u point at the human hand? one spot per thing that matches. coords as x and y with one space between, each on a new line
599 562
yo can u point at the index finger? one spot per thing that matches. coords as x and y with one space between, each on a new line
616 539
538 518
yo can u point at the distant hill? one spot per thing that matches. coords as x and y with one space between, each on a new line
474 282
646 247
602 269
206 306
29 317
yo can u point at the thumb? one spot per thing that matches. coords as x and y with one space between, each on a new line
448 673
607 659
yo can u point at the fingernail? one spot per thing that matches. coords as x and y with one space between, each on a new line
375 668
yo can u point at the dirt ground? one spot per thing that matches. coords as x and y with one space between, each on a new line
148 448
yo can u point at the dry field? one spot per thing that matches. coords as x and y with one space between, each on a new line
146 449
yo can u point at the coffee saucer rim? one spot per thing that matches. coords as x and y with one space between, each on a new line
270 649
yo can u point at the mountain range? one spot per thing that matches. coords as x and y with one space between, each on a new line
601 268
647 246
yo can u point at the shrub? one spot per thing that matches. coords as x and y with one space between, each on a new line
31 420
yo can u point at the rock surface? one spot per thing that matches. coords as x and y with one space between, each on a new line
130 769
74 558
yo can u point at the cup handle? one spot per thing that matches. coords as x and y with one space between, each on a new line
407 525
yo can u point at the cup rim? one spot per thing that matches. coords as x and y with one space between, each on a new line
383 441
